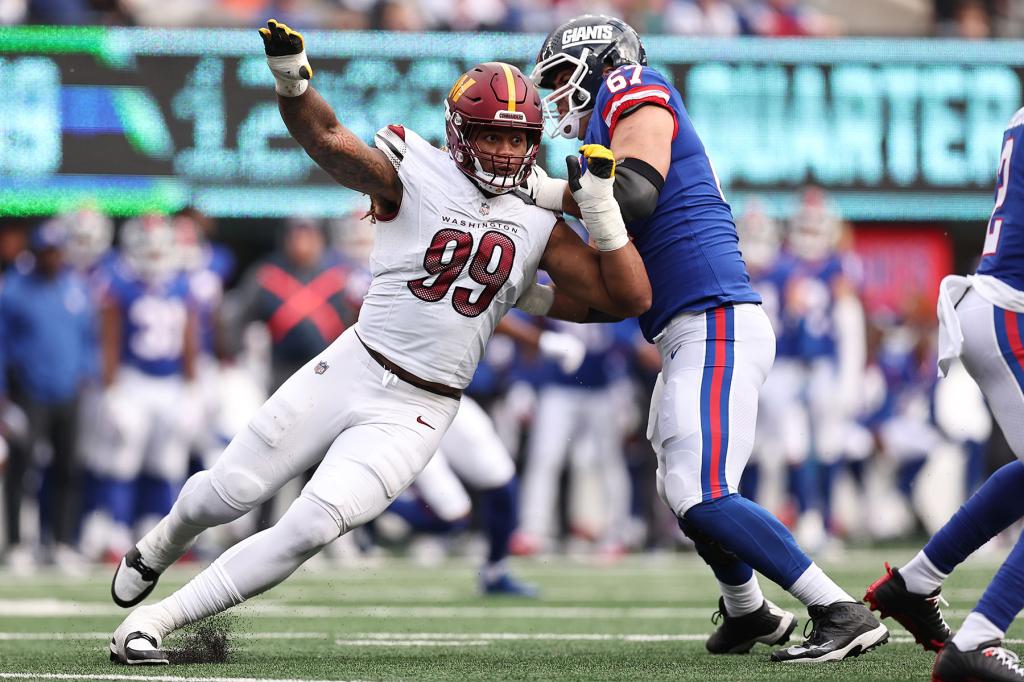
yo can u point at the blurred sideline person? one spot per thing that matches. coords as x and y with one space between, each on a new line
577 416
716 342
824 321
48 338
148 339
372 408
981 322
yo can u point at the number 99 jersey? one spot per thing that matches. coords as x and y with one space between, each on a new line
1003 254
447 266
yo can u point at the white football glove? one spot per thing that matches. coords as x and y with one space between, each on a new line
546 191
286 56
594 193
537 299
565 349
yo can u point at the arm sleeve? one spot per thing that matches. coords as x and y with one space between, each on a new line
634 86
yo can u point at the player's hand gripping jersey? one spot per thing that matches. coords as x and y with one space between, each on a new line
689 243
448 265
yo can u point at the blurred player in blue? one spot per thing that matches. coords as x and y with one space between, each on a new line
824 325
981 321
148 344
716 342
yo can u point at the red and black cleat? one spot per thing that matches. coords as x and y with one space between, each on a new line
990 662
919 614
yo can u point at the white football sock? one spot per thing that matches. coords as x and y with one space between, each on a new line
742 599
199 506
814 588
255 564
921 576
976 630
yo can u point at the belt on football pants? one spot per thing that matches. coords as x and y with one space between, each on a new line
410 378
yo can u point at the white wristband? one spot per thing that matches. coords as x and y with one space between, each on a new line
287 79
600 212
537 299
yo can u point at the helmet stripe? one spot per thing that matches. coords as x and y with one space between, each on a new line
511 82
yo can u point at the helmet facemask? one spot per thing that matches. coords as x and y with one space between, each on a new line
507 171
572 92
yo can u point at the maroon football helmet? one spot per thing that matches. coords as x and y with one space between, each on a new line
493 94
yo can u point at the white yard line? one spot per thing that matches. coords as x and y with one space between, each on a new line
148 678
46 636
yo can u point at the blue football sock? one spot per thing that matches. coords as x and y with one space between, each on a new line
155 496
499 508
801 485
750 480
119 499
1004 597
829 476
906 474
422 518
757 538
996 505
974 474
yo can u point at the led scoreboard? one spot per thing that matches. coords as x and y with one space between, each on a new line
150 119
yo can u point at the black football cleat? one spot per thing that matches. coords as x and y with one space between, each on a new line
838 631
133 580
990 662
139 648
737 635
919 614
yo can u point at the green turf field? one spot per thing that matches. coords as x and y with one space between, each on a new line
644 618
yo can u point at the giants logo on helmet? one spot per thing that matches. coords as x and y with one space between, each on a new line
586 34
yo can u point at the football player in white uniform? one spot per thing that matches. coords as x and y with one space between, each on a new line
455 249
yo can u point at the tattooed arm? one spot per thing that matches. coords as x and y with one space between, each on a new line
345 157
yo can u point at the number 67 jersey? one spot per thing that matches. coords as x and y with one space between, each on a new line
1003 254
447 266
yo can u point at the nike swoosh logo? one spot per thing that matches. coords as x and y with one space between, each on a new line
797 650
673 353
419 420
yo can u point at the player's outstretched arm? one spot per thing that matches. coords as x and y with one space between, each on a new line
610 277
313 124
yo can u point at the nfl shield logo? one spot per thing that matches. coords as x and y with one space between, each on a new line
321 368
485 209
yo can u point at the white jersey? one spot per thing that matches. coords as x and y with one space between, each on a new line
447 266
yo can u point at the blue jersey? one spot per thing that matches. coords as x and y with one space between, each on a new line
689 243
810 304
604 362
770 285
153 320
1003 254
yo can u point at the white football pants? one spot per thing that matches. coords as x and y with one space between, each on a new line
993 354
574 418
704 407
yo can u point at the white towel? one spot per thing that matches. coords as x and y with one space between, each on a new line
951 337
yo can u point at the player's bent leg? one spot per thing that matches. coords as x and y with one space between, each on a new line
910 594
275 446
249 568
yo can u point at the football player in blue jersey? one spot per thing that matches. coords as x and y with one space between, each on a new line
716 342
824 325
148 343
981 321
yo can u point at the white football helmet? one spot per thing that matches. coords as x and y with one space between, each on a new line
149 247
89 235
759 233
815 229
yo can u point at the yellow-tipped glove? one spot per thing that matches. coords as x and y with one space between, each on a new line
286 56
594 193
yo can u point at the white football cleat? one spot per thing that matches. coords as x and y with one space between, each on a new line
133 580
136 641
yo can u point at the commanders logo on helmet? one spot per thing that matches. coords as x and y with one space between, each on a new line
489 95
